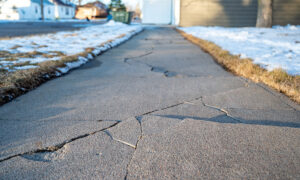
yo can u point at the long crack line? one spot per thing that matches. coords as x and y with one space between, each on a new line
143 55
58 146
139 119
156 110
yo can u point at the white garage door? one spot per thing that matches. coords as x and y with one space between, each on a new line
157 11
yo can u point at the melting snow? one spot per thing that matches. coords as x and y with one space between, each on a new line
100 37
277 47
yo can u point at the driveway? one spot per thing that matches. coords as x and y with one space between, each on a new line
156 107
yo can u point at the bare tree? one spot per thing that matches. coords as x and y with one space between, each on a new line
264 14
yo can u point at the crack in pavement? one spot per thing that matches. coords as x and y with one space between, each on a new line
128 58
157 69
58 146
119 140
219 109
61 145
139 119
165 72
225 112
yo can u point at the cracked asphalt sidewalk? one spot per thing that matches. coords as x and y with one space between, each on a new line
156 107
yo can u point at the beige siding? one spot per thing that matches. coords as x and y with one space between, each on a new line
286 12
231 13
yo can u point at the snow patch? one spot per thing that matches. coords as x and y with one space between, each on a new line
99 37
271 48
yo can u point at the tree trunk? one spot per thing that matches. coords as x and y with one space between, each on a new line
42 9
264 14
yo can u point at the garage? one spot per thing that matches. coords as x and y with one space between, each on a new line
227 13
157 11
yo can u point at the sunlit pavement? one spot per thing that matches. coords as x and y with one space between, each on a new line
156 107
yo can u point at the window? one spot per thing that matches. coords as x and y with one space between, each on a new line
67 11
15 9
36 10
49 11
23 12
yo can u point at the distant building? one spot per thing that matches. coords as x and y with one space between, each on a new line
64 9
232 13
25 10
91 10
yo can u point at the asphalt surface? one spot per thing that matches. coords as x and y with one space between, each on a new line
13 29
156 107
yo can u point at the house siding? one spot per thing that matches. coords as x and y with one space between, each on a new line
286 12
228 13
25 10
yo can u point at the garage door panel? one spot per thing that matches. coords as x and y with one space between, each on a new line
286 12
157 11
234 13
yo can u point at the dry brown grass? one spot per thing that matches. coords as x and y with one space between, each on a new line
15 47
7 56
277 79
13 84
16 83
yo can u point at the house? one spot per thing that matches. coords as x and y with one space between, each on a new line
25 10
64 9
231 13
91 10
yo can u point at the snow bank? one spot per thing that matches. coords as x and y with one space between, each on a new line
100 37
277 47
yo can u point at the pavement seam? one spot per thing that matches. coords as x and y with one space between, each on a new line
277 96
59 146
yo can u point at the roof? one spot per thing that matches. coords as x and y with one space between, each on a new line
39 2
59 2
97 4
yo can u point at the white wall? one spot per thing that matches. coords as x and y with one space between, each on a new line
25 10
64 12
49 12
157 11
9 9
176 12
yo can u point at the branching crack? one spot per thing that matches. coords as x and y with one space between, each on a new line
59 146
219 109
165 72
